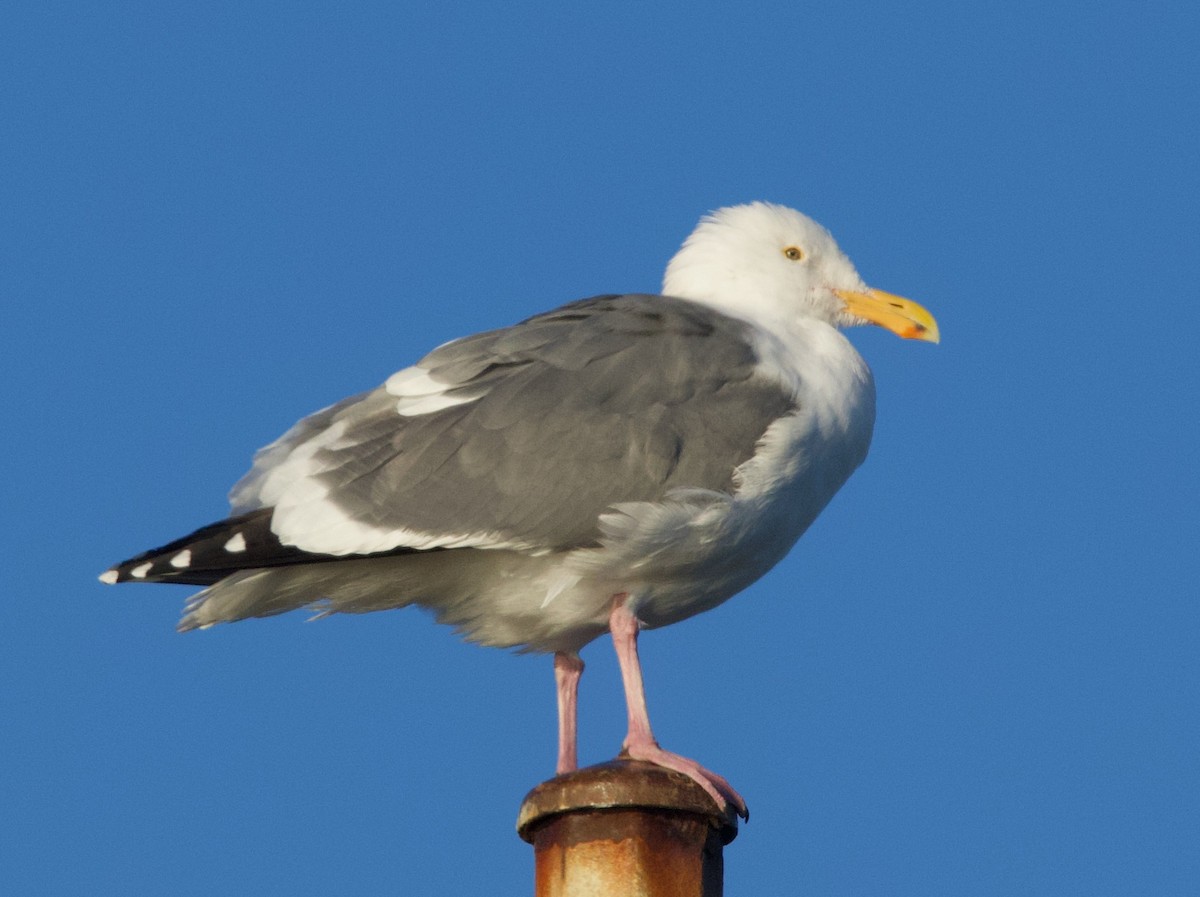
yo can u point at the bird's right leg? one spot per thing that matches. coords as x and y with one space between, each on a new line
640 743
568 667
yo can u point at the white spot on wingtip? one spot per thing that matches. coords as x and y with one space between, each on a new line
236 544
108 577
140 571
183 559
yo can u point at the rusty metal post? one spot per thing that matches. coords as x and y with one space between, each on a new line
625 829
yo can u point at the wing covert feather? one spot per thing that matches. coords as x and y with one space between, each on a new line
608 400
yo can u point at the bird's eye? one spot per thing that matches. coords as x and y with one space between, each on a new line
794 253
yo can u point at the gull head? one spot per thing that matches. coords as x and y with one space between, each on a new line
771 264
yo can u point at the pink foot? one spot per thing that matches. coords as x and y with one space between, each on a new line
717 787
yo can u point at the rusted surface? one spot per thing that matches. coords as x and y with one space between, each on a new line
625 829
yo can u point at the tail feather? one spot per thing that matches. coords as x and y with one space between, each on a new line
213 552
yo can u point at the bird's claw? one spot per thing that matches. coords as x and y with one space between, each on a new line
716 785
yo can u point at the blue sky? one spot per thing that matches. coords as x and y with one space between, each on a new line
977 674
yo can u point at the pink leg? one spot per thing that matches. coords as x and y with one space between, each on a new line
640 743
567 670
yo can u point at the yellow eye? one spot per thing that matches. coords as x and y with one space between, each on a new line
795 253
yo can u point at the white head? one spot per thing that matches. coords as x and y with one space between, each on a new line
771 264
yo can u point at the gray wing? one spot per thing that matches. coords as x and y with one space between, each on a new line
522 437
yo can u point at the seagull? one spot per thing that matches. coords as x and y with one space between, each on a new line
616 464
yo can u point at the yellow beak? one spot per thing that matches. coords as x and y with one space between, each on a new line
901 316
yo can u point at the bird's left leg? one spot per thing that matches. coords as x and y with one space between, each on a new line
640 743
568 667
